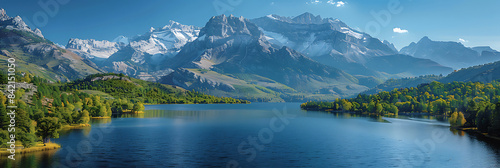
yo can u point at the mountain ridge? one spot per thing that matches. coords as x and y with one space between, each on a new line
37 55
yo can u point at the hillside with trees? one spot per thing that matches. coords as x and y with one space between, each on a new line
466 103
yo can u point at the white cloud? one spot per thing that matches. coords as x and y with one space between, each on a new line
399 30
463 40
314 2
340 3
337 4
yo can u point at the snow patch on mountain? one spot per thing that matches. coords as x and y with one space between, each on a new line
93 48
277 38
349 31
121 39
167 40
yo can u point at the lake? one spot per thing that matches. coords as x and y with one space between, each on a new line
263 135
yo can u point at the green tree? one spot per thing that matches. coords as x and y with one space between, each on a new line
394 109
460 120
48 127
457 119
4 118
453 118
102 111
84 117
138 107
495 121
23 122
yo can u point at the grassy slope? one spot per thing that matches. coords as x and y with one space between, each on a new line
243 88
41 65
254 87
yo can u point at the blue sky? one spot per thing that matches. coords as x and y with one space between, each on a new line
475 23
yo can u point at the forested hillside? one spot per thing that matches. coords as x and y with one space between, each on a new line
124 87
467 103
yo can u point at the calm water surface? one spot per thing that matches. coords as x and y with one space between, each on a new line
262 135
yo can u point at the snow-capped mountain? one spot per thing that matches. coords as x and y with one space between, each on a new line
315 36
159 44
93 48
333 43
140 55
165 42
17 22
235 46
121 39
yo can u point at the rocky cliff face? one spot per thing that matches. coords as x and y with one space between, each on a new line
17 23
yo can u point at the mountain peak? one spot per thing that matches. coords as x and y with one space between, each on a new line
121 39
307 14
425 39
225 26
3 14
308 18
16 23
173 25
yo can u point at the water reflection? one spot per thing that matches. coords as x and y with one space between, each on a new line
457 132
99 121
180 136
34 159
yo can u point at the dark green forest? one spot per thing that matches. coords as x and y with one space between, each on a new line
467 104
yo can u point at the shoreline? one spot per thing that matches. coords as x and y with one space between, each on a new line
99 117
475 132
77 126
470 130
132 112
37 148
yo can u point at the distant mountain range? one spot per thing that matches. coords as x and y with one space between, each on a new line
485 73
451 54
142 56
272 58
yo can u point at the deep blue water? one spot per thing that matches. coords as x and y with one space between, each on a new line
263 135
